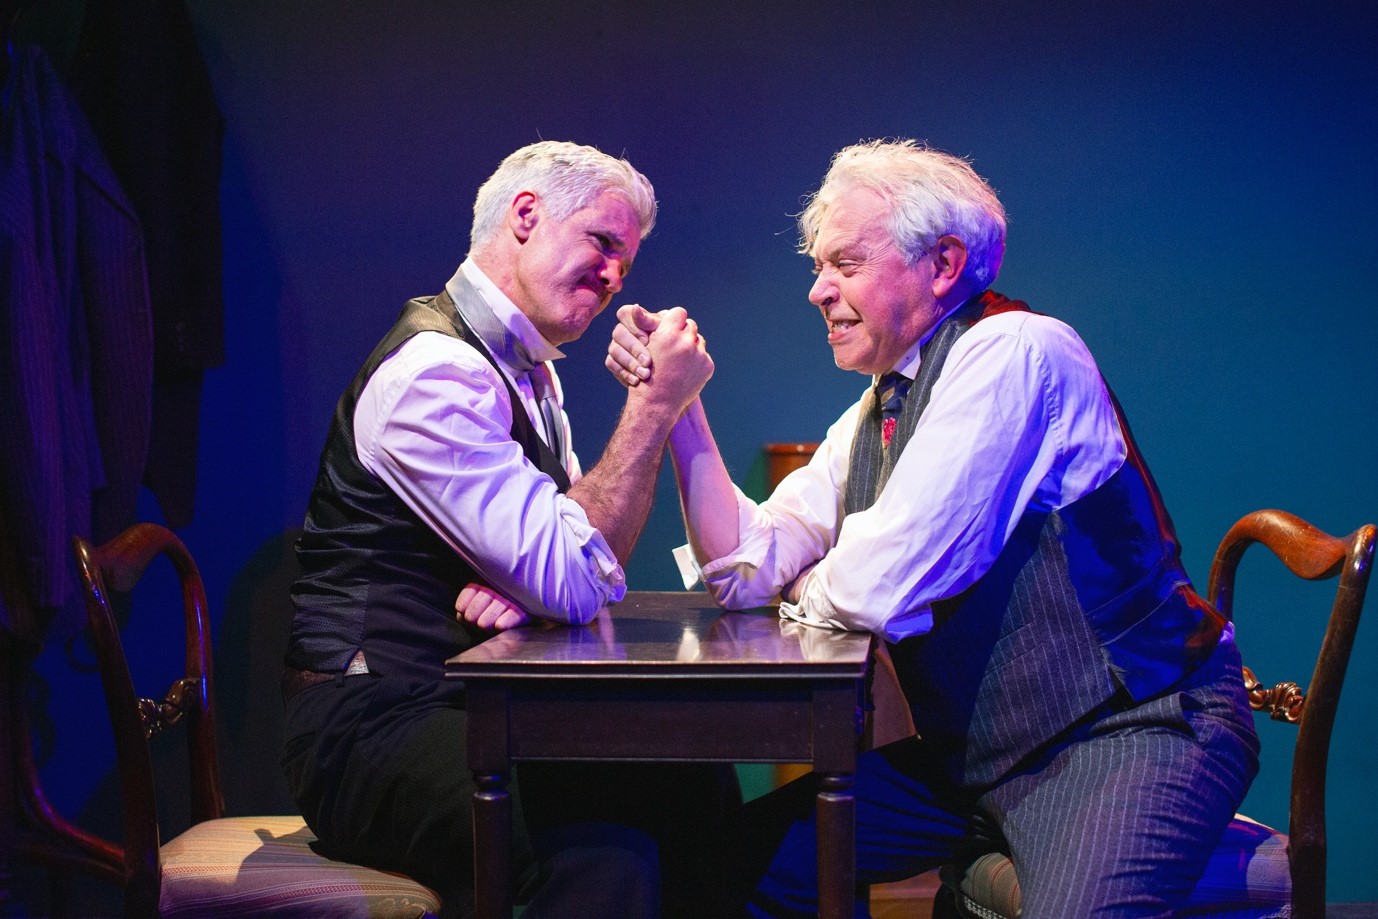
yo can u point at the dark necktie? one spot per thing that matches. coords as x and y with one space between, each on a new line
890 393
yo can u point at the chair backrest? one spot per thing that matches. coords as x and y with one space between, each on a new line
1314 555
117 566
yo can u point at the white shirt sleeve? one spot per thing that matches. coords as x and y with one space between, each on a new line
434 423
1019 418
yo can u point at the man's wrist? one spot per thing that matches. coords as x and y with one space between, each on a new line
646 403
793 592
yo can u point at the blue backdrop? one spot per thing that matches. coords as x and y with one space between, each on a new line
1191 185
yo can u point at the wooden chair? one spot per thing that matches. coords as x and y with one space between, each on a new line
220 866
1256 870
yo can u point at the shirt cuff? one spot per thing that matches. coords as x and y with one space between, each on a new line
731 572
689 571
796 613
733 579
749 557
816 609
610 578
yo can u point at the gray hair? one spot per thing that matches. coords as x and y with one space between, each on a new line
567 178
931 194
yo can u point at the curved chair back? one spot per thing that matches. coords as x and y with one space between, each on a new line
219 866
1314 555
118 565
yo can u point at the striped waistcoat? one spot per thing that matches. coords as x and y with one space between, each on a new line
1084 606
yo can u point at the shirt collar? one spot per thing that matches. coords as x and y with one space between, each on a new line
507 331
908 364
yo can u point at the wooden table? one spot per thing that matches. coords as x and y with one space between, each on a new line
738 687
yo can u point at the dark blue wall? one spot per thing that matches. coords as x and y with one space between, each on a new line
1190 184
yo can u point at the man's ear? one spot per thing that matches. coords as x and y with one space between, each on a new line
949 260
523 214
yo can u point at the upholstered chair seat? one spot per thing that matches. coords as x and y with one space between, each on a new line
219 867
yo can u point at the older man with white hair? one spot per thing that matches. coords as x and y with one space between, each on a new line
983 509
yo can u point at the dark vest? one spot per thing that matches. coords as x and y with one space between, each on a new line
1084 606
374 576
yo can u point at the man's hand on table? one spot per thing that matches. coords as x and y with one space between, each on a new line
484 607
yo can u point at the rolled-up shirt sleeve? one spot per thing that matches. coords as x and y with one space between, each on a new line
1019 418
434 423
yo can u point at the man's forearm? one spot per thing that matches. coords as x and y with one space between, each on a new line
616 494
706 494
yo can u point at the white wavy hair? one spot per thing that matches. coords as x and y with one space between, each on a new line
567 178
931 194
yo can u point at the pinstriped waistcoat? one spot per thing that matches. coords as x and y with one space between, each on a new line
1083 605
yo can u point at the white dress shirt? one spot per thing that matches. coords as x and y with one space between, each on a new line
1019 418
434 423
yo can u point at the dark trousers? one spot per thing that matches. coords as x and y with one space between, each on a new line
1117 818
378 767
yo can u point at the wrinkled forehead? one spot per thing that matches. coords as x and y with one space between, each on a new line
855 214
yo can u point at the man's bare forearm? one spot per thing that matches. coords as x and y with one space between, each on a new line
705 489
616 494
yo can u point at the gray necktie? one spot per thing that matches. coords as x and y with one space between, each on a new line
544 391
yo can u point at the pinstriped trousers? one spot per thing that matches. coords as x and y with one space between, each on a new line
1116 818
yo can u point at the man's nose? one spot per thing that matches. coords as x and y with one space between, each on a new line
823 292
611 273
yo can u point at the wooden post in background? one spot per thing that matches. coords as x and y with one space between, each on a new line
889 720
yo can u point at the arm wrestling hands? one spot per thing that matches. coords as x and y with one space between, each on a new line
707 496
616 508
616 494
628 358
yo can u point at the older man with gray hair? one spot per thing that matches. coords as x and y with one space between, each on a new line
450 503
984 510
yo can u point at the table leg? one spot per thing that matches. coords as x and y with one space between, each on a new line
836 845
492 846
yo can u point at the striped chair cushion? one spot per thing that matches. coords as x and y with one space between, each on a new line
988 889
1248 877
264 866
